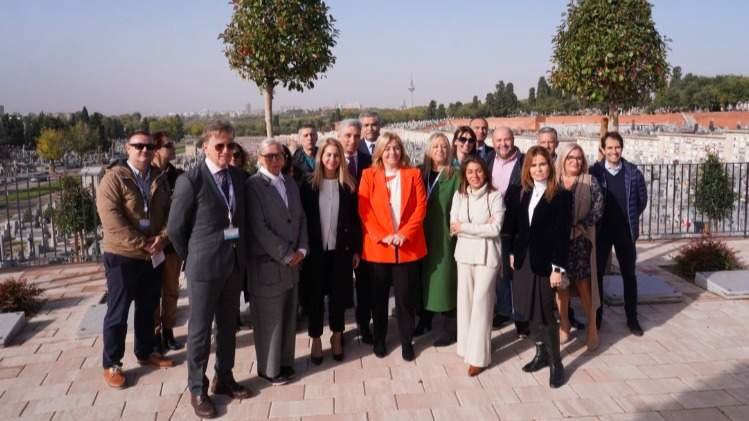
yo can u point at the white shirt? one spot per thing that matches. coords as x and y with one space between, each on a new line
539 188
370 146
214 169
144 184
328 204
613 169
276 181
394 191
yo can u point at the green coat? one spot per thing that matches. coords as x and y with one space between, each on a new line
438 269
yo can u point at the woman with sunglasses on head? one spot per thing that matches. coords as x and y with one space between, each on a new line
587 208
438 271
475 219
392 207
329 201
536 233
464 144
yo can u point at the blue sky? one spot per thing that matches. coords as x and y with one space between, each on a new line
163 56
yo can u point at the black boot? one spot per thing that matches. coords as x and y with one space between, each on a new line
169 341
539 361
425 323
556 369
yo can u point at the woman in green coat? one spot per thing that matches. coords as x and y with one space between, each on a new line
438 269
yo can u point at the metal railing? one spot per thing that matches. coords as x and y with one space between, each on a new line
30 235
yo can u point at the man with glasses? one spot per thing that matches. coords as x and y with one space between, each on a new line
481 128
132 201
304 156
278 244
370 131
207 227
166 314
505 163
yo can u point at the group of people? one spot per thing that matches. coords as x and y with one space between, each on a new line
479 235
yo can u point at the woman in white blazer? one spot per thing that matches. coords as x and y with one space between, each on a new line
476 219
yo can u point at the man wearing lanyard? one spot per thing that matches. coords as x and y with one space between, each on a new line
207 228
133 202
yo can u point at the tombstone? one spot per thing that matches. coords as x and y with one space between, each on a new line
650 290
729 284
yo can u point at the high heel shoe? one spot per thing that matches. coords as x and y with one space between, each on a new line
316 359
337 357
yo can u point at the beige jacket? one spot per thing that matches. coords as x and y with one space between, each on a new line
480 214
121 207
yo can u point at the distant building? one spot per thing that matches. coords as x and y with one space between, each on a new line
2 110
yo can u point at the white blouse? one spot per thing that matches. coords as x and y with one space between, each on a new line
328 205
539 188
393 183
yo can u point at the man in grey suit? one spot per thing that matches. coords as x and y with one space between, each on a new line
278 244
207 228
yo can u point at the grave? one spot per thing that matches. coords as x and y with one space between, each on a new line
93 320
10 325
650 290
729 284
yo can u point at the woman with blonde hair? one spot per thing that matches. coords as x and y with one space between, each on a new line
586 209
536 233
438 270
334 231
392 208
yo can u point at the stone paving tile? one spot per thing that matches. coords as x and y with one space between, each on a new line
363 404
544 393
383 386
658 386
335 390
497 396
53 403
9 372
740 394
337 417
473 413
11 409
31 393
593 390
737 413
426 400
149 404
588 407
436 384
301 408
646 403
247 409
638 416
527 411
102 412
705 399
402 415
291 392
711 414
721 381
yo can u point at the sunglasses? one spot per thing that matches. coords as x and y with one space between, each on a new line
169 145
273 156
466 139
141 146
220 146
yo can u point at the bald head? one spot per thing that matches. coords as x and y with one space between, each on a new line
503 141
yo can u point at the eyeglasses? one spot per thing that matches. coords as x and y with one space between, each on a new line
169 145
141 146
273 156
220 146
466 139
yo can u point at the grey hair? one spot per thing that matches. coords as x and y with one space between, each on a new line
267 143
548 129
368 114
348 122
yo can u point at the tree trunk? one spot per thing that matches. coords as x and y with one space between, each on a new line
268 96
613 117
76 248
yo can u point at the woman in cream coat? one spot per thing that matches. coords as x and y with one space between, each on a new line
476 219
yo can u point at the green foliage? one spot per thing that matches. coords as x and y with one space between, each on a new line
172 125
713 93
608 52
50 144
81 138
18 295
705 254
77 210
714 195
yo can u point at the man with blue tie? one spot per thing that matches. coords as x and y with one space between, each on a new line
207 228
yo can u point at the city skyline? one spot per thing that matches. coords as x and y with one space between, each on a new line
166 57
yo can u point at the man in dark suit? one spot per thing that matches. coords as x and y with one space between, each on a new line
207 228
370 131
303 159
358 159
277 246
481 128
505 162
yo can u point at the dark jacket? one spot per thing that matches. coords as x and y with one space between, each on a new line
301 169
363 161
546 237
171 173
197 220
348 243
515 176
636 192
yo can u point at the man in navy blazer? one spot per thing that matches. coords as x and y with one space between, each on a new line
370 131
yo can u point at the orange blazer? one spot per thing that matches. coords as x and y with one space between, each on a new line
374 211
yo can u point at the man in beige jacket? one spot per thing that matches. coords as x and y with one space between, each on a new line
133 202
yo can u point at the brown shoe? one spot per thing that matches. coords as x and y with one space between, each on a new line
114 377
203 406
229 387
157 360
474 371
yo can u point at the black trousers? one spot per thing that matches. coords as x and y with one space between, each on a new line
316 304
129 280
404 278
626 254
363 295
211 298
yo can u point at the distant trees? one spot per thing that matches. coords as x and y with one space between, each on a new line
51 146
692 92
609 53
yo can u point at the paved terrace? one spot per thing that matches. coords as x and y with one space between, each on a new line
692 364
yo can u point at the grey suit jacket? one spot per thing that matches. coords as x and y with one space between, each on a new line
197 219
275 233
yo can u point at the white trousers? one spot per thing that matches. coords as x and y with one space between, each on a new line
476 298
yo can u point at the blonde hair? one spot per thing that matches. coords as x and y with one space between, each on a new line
562 152
525 174
344 177
429 163
380 146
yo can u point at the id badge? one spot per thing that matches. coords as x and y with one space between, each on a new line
231 233
144 224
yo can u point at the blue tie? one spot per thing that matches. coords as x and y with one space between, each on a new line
223 178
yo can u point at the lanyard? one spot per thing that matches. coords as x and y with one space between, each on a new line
228 201
144 189
434 183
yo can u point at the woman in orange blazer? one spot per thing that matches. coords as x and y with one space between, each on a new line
392 207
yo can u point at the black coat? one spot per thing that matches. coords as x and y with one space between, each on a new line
363 161
348 243
515 176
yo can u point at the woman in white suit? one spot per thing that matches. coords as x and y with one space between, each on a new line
476 219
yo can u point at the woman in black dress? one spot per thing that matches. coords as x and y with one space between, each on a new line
536 233
330 203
